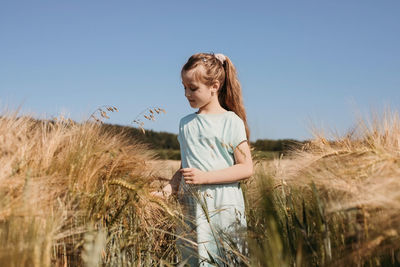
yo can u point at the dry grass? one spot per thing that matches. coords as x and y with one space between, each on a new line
72 195
62 182
359 172
361 168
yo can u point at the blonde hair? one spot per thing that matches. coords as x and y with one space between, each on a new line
230 91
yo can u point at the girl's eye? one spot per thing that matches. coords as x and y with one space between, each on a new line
191 89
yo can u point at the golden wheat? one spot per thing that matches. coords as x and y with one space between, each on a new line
359 171
55 183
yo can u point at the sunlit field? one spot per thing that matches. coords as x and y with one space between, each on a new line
74 194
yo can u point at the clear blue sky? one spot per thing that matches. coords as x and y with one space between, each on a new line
299 62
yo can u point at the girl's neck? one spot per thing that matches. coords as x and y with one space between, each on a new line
216 112
211 108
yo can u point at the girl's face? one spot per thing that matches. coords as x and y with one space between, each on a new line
198 94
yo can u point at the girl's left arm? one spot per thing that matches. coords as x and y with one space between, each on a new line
242 169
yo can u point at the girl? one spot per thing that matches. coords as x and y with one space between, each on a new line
215 156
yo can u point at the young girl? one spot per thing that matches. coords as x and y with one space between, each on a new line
215 156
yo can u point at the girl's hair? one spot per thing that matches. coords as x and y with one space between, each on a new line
230 92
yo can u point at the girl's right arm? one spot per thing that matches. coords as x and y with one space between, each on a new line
172 187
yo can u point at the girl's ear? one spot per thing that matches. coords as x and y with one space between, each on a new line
215 86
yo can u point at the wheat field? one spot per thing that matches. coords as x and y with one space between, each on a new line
72 194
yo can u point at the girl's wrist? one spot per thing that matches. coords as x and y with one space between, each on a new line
207 178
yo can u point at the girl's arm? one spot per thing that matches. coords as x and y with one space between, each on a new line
242 169
172 187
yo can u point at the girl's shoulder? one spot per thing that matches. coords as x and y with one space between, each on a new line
234 116
187 118
228 115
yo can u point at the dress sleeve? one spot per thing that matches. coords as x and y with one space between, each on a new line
238 132
179 137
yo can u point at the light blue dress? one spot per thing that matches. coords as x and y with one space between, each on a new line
213 213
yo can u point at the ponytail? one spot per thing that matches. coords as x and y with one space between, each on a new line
230 94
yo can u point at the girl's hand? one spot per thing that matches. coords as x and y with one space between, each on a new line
161 194
194 176
164 193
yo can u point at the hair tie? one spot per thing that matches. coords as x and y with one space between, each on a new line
220 57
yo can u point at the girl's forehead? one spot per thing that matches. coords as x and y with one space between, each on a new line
188 75
193 75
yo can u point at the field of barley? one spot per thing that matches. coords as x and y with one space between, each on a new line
74 194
